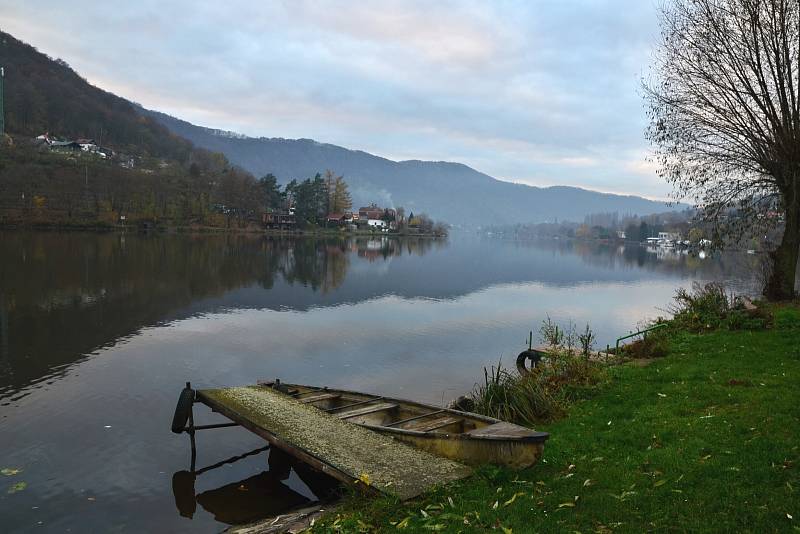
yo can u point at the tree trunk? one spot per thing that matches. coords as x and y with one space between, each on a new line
780 285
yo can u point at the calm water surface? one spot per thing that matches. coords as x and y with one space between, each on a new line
98 333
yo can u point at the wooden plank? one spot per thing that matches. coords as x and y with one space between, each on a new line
320 397
359 403
409 419
346 451
367 410
428 426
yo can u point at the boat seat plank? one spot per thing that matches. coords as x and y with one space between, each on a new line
367 410
335 446
427 426
350 405
320 397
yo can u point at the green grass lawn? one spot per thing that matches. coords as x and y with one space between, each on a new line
706 439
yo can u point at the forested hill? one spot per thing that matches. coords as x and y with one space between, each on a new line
454 192
43 94
135 170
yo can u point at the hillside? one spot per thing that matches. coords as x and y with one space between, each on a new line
173 179
44 94
451 191
135 168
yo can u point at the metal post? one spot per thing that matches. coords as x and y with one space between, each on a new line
2 110
190 430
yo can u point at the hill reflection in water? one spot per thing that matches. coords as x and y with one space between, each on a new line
98 333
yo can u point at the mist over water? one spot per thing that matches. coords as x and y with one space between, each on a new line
98 333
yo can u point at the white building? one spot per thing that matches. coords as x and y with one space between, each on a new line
669 236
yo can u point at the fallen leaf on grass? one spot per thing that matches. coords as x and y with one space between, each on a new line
403 523
513 498
494 506
660 482
567 505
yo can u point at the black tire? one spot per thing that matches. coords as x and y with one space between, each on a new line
533 355
182 410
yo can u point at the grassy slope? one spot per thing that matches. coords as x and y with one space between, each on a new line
673 446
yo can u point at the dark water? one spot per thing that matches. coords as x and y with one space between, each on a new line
99 332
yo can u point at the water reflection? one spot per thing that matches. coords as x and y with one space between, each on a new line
64 296
256 497
98 333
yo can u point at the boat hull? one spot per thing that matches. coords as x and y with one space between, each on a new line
465 437
515 454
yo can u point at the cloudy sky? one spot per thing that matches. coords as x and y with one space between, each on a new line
541 92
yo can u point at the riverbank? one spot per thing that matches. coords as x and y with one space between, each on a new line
704 439
197 229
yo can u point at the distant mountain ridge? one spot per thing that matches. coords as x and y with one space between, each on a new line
43 94
448 191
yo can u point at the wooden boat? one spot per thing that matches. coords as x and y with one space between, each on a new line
462 436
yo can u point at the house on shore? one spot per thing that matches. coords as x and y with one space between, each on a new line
279 220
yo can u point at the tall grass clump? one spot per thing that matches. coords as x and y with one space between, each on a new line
524 400
566 374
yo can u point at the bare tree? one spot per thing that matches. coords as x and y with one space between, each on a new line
724 107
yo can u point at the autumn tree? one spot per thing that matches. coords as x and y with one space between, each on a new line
341 196
330 189
724 105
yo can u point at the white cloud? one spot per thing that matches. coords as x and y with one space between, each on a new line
543 93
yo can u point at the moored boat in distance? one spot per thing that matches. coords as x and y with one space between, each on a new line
462 436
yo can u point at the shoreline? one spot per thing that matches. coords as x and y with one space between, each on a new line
130 229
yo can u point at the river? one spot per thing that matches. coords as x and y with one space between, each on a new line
98 333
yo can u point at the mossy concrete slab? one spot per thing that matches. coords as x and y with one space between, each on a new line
345 450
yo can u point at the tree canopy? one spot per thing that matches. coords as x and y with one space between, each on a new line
724 106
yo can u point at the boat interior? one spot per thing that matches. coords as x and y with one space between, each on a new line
374 410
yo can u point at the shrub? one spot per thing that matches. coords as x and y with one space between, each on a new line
569 375
708 307
551 333
586 340
541 395
654 345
